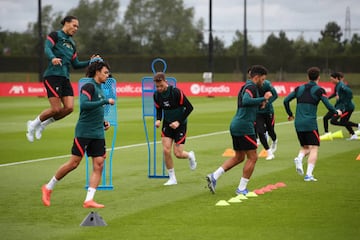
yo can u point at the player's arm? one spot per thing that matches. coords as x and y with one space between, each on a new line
50 42
249 97
274 94
322 94
287 101
182 101
332 95
76 63
159 111
86 96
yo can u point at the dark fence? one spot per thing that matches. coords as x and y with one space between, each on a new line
191 64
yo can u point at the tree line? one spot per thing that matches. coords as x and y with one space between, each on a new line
166 28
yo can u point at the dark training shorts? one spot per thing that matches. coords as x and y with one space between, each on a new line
179 134
309 138
92 147
57 86
244 143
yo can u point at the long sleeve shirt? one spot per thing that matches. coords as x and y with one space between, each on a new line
91 118
60 45
173 104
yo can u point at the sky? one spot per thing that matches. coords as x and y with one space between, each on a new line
296 17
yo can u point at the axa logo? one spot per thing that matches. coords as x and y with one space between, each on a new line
17 89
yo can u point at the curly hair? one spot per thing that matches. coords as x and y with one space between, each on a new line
96 66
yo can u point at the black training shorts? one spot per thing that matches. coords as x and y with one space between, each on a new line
57 86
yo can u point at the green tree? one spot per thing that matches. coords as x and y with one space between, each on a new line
17 44
353 49
237 46
279 49
330 42
303 48
333 31
162 27
98 23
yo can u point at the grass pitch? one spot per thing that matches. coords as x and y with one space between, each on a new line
142 208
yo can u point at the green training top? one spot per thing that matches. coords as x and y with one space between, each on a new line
248 104
91 119
308 97
345 95
173 104
60 45
267 87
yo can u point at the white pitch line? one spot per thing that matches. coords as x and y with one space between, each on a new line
127 146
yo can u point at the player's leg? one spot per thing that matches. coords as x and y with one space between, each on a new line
248 170
229 163
261 130
46 115
64 169
311 143
169 163
68 107
270 128
179 139
304 150
53 86
62 106
326 119
313 155
345 121
95 178
95 149
248 147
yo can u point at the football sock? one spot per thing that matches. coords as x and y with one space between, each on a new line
47 121
310 169
172 173
300 156
36 122
51 184
90 194
220 171
243 183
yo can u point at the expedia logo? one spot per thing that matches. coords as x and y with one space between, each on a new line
197 89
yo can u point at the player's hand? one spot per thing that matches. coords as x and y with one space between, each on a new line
56 61
106 125
263 105
290 118
95 58
174 125
339 112
157 123
111 101
268 95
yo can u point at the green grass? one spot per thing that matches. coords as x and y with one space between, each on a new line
142 208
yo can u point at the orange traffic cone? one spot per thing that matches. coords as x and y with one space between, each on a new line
229 153
358 157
